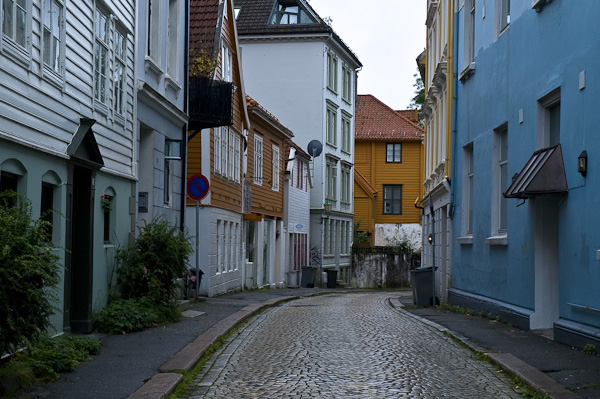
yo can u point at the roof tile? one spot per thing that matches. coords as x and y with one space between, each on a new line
376 121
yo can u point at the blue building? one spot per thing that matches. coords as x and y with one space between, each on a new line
526 179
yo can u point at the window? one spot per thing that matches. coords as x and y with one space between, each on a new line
167 183
119 79
9 181
346 83
346 132
331 178
153 29
226 64
331 121
332 62
548 131
172 153
469 31
299 246
224 151
47 206
289 12
503 12
258 160
468 190
237 159
275 185
52 20
500 177
346 183
14 20
107 205
231 155
219 238
172 39
100 56
217 149
393 152
392 199
300 174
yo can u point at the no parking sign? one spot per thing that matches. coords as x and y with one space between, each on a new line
197 187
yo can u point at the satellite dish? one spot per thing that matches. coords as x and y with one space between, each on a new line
314 148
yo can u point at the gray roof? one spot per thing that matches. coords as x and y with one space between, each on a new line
253 20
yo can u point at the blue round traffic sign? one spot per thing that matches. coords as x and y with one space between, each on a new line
197 187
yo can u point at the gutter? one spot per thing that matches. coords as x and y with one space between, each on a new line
184 128
454 117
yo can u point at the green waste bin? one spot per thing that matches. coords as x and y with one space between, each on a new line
421 281
307 279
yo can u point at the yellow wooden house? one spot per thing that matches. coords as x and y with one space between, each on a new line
388 166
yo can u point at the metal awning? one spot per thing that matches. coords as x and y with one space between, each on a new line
544 173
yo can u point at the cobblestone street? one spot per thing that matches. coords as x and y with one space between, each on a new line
345 346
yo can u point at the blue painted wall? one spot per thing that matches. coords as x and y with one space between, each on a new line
537 53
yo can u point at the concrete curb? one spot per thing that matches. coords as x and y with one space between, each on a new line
531 376
169 376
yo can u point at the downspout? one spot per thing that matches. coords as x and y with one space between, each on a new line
454 116
185 125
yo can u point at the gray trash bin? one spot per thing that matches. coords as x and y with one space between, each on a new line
421 281
308 277
331 278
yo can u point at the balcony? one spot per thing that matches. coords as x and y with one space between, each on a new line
210 103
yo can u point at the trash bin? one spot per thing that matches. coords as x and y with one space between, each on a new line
307 279
331 278
422 286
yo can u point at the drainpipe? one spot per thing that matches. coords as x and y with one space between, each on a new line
454 116
184 141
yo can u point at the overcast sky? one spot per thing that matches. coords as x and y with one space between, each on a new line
387 36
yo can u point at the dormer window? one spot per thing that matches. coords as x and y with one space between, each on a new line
290 12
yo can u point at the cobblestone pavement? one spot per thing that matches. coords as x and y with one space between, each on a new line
345 346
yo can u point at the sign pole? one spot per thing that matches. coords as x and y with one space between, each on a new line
197 248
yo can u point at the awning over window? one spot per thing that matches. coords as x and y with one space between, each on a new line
544 173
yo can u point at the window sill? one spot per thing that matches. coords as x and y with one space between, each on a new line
170 82
467 72
539 4
150 64
501 240
54 78
101 108
466 240
15 50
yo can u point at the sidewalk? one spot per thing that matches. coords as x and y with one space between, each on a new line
147 365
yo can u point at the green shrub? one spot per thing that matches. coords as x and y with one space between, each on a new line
134 314
150 264
29 271
49 357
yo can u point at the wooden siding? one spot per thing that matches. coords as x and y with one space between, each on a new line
265 200
370 161
43 109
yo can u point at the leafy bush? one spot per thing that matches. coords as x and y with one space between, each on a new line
150 264
29 271
49 357
135 314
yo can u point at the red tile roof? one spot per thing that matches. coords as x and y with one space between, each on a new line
360 179
376 121
204 18
410 114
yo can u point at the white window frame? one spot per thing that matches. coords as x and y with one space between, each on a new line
275 162
468 190
346 83
396 156
346 183
332 71
101 44
331 178
237 159
224 151
331 124
500 181
469 38
119 79
23 42
53 42
217 150
231 155
173 41
226 64
502 15
346 132
258 160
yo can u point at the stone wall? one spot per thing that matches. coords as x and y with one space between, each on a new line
378 268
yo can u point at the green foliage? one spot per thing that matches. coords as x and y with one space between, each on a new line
419 99
150 264
49 357
135 314
589 349
360 238
29 271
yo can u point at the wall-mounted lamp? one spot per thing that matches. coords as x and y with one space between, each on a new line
582 163
326 210
430 238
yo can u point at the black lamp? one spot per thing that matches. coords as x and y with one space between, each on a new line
430 238
582 163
